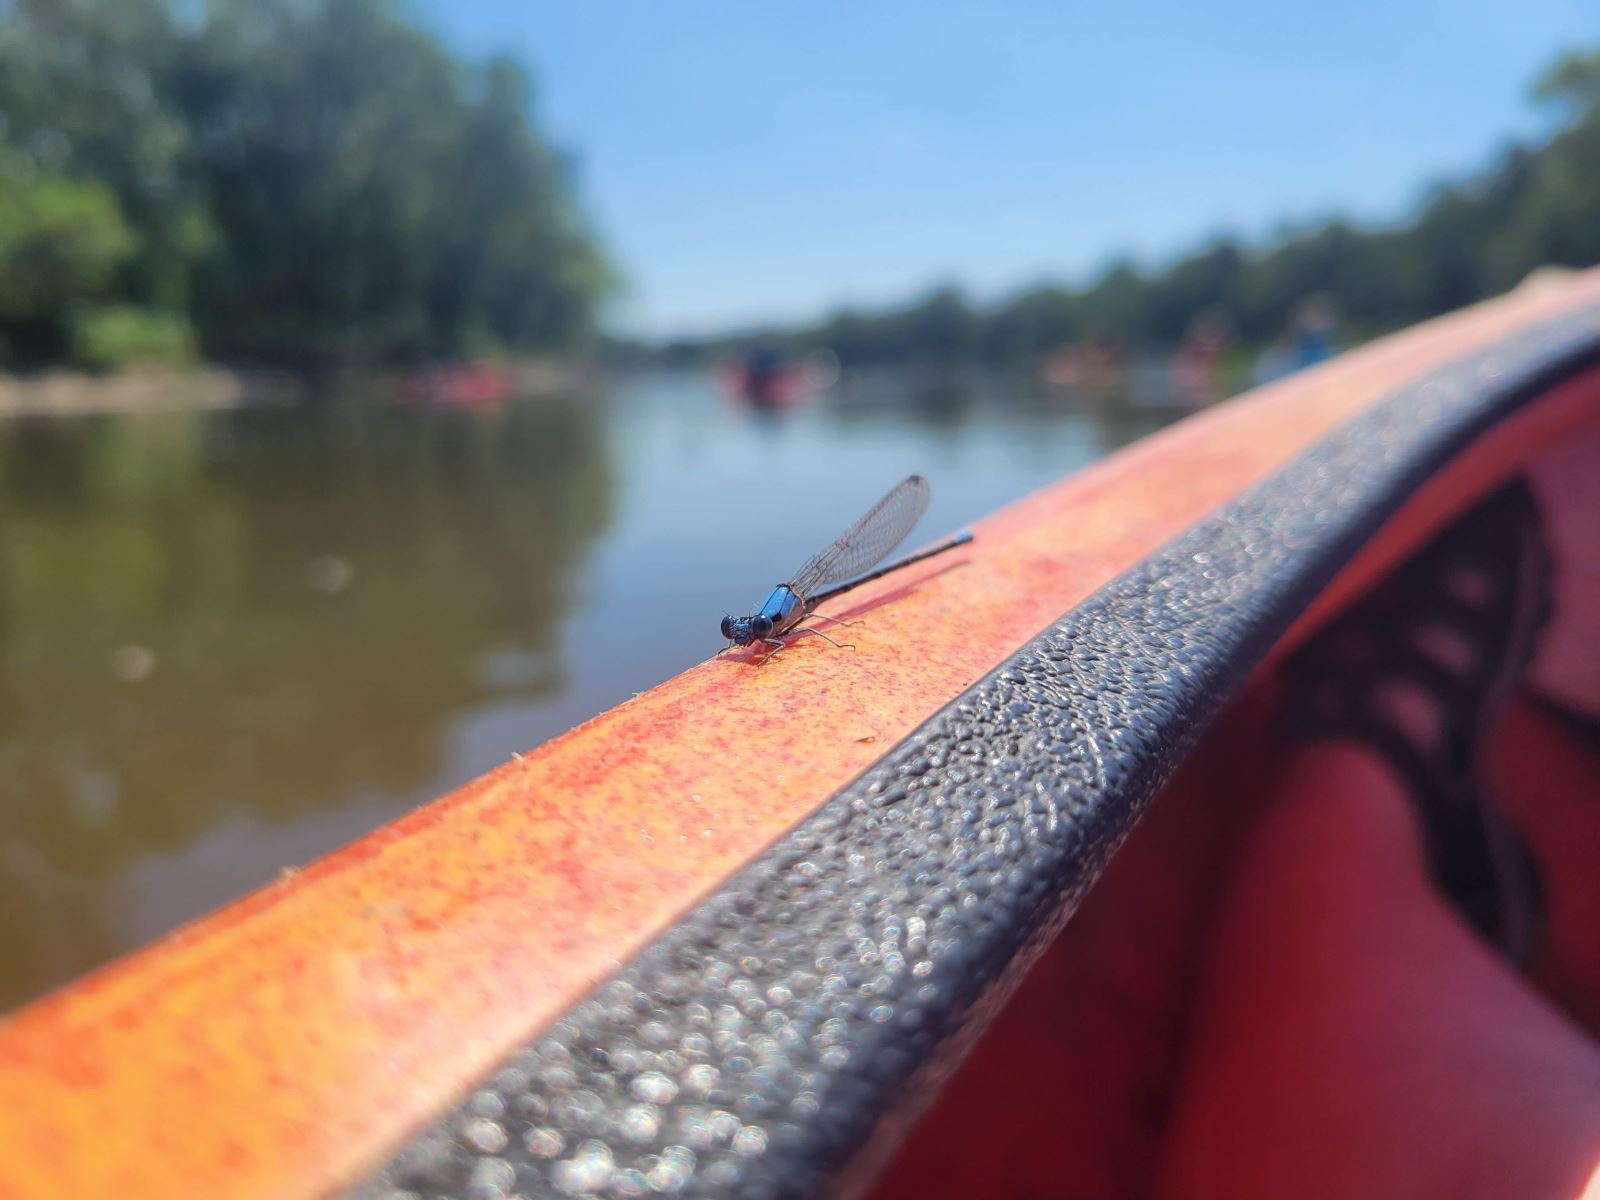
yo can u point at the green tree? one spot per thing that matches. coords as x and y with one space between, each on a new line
309 181
1034 323
84 89
1555 218
942 328
61 242
1204 282
1534 205
375 198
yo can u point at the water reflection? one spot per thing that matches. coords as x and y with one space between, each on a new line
232 642
215 625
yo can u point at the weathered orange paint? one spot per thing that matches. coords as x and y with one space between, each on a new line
279 1046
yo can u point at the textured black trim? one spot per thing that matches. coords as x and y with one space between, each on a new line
754 1048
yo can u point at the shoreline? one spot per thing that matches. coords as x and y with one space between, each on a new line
212 388
79 393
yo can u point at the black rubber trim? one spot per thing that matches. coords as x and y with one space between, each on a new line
757 1047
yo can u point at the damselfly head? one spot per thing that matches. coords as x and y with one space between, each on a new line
741 631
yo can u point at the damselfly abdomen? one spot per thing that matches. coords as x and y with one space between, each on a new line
859 548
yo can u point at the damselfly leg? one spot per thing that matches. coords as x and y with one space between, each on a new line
825 617
776 646
795 633
845 563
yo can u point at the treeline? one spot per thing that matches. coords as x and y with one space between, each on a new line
1535 206
304 182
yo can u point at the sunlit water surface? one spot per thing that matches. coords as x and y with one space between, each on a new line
230 642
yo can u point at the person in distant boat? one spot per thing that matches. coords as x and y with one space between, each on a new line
1092 366
763 377
1308 341
1313 332
1196 368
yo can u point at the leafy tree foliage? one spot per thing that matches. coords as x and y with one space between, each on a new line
1534 206
307 181
61 242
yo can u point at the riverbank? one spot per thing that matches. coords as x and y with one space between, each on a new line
78 393
155 389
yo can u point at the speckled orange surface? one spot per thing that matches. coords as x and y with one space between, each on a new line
277 1047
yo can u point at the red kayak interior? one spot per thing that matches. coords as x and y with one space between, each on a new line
1073 1087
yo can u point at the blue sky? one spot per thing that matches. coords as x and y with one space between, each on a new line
754 162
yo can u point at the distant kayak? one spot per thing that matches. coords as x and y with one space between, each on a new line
767 384
476 386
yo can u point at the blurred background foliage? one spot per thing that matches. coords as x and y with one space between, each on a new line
301 182
316 182
1534 206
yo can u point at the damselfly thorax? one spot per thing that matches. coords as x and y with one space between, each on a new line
861 547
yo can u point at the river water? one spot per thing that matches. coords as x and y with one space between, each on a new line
232 641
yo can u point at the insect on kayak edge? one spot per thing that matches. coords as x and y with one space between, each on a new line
861 547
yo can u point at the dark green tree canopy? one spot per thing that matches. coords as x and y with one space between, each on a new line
306 181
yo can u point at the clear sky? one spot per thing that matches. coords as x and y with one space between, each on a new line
747 162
